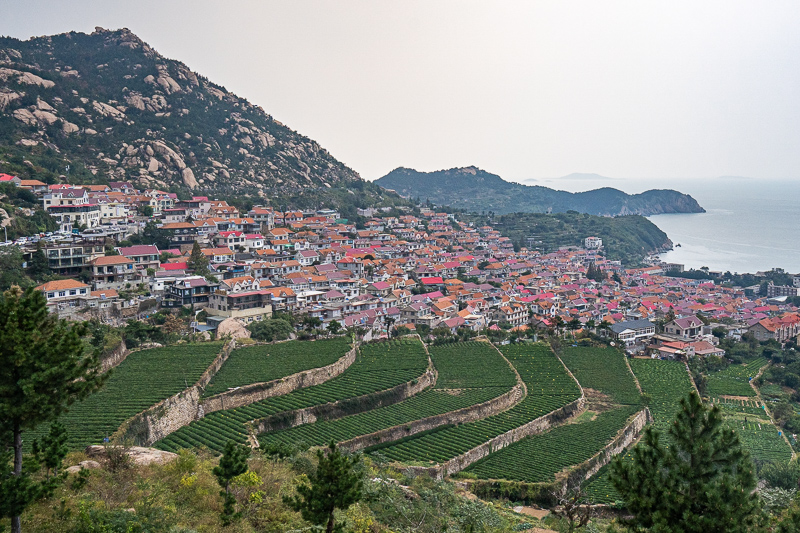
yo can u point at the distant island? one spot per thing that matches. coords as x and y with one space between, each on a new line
476 190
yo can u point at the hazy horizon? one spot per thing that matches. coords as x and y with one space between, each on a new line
632 91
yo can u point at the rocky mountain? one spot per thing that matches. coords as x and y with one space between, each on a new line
114 109
476 190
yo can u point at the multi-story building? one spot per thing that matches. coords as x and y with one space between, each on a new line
593 243
112 272
71 207
69 258
144 255
688 327
190 290
247 306
64 293
632 331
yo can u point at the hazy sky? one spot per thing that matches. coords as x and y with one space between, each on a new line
523 89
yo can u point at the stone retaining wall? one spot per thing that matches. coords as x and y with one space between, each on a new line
169 415
114 357
349 406
278 387
626 436
187 406
467 414
542 492
534 427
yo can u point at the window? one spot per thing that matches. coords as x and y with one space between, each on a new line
73 292
62 293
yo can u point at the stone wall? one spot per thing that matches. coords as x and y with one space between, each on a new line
534 427
278 387
114 357
349 406
626 436
467 414
187 406
171 414
541 492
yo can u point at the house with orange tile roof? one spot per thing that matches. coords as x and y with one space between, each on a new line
64 293
113 272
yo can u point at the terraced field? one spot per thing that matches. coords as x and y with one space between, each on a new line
666 382
469 373
549 387
604 370
257 364
537 459
734 380
140 381
762 439
747 407
377 367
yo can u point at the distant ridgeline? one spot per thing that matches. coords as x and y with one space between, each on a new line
626 238
476 190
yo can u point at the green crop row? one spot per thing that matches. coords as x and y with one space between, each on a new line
722 385
734 380
537 459
604 370
762 439
377 367
666 382
459 365
748 407
257 364
468 365
549 387
143 379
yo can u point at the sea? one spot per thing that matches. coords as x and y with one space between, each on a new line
750 224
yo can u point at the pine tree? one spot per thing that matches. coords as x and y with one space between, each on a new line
198 261
335 485
232 463
701 481
53 448
44 370
591 272
38 266
50 453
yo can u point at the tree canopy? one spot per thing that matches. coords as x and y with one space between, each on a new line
45 368
696 478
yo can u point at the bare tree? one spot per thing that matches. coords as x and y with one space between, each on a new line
572 504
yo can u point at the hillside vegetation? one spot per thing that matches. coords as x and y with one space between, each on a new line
476 190
113 108
625 238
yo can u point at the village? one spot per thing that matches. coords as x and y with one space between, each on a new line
425 273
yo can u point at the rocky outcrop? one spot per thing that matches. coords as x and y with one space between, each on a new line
230 327
104 86
140 456
83 465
